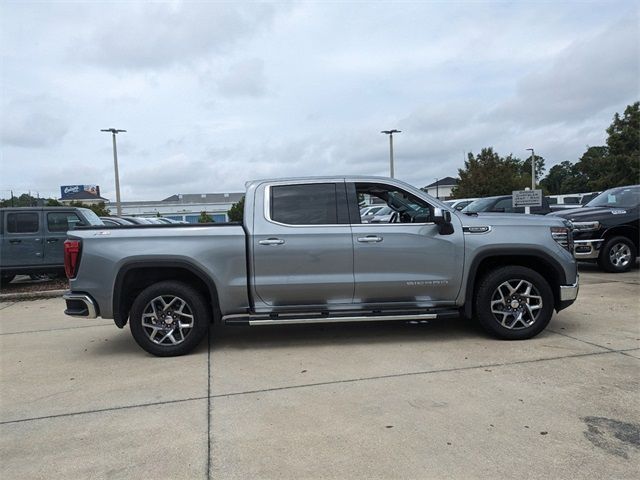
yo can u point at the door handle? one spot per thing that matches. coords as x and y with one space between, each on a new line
271 241
52 240
15 241
370 239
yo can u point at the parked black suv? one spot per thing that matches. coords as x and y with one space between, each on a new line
606 229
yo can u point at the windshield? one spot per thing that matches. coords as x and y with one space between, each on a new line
480 205
91 217
622 197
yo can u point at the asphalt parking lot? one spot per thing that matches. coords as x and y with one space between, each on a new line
439 400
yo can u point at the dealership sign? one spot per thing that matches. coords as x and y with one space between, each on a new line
69 191
527 198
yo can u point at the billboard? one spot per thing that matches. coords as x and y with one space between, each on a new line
69 191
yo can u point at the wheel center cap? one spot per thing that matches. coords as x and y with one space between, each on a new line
168 319
515 303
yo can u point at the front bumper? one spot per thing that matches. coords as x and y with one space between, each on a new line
80 305
568 294
587 249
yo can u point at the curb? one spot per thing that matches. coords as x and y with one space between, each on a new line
5 297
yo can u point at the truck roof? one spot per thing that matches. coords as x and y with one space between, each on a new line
330 178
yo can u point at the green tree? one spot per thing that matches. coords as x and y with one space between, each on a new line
25 200
205 218
525 170
564 178
624 147
487 173
236 212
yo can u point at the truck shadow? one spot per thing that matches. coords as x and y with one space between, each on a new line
343 334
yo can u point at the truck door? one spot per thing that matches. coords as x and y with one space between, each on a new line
301 244
406 260
22 242
57 224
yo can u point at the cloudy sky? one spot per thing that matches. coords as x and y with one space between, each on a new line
213 94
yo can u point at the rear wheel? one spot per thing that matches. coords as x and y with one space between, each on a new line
514 303
169 319
617 255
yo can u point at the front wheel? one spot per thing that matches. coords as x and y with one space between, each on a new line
169 319
514 303
617 255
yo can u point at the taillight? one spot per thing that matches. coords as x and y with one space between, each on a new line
71 257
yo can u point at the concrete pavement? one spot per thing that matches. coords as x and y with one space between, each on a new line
79 399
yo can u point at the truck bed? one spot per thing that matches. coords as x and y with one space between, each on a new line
217 251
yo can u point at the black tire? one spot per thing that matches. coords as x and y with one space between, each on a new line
189 338
617 255
5 279
509 323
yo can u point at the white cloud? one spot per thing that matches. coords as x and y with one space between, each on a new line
216 93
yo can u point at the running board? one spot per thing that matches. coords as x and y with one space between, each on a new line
255 320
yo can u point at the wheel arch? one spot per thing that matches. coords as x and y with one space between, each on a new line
627 231
538 261
135 276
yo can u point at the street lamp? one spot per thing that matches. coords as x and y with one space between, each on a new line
390 133
533 169
114 132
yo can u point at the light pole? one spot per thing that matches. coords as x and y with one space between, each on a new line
533 169
114 132
437 190
390 133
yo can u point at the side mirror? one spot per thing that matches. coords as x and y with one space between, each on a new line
441 217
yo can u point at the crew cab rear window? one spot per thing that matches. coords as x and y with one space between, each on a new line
26 222
307 204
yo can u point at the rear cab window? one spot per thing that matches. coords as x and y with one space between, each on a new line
308 204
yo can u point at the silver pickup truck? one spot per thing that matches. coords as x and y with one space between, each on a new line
303 255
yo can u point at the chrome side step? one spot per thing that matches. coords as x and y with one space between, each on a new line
256 320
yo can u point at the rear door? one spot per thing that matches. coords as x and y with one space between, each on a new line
301 243
22 242
57 224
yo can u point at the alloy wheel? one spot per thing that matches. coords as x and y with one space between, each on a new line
516 304
167 320
620 255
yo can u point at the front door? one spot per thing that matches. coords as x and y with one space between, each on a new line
302 247
57 224
405 260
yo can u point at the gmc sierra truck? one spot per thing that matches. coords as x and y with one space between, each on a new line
303 255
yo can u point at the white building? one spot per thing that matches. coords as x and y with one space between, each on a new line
186 207
441 188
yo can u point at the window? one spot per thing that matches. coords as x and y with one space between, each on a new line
22 222
61 221
310 204
401 206
503 205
